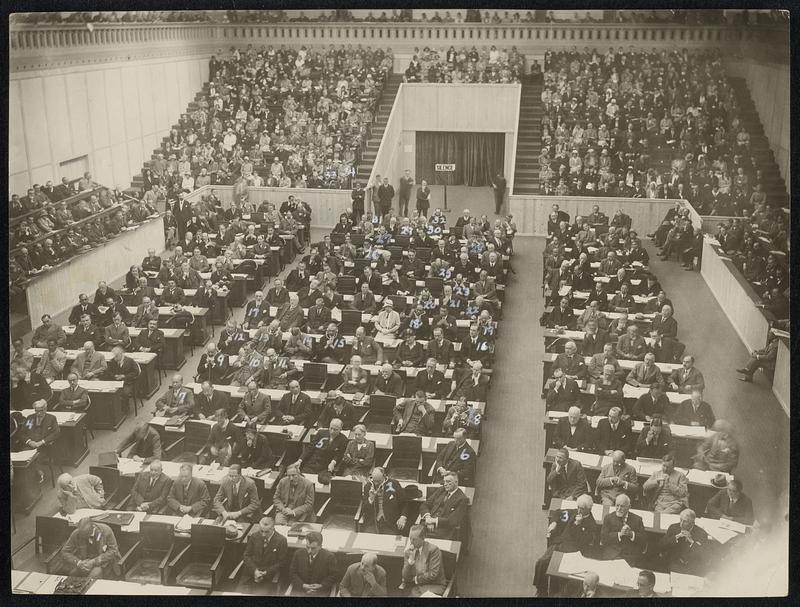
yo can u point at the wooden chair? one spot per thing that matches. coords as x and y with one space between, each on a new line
192 444
381 412
146 561
314 376
346 285
405 461
49 537
198 565
342 510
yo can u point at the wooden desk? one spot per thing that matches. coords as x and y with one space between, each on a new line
146 384
199 332
106 411
429 443
71 446
700 487
25 490
26 582
220 312
173 356
667 584
237 294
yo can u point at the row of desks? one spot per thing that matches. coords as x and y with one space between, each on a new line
173 356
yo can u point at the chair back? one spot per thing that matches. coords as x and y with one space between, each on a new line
424 254
402 241
397 252
457 231
337 238
109 476
314 374
359 265
195 435
207 537
346 285
51 532
351 319
400 304
381 407
356 240
346 492
435 285
406 448
277 444
156 536
247 266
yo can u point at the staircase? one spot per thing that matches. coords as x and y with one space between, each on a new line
378 127
137 181
529 140
774 185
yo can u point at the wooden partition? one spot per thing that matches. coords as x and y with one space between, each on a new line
531 212
781 383
57 291
735 295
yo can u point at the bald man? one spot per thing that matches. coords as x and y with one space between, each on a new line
616 478
364 579
177 400
150 491
686 547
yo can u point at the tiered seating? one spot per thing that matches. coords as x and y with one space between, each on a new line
277 117
610 130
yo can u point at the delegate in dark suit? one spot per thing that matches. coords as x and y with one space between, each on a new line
299 408
395 505
267 555
450 510
149 489
193 495
243 504
612 439
561 396
322 450
616 546
321 570
569 535
205 406
681 556
575 437
457 458
569 482
152 340
431 383
145 444
740 511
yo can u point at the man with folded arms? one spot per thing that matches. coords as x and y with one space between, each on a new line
686 547
293 498
265 554
445 511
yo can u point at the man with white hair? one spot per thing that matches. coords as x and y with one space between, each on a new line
474 386
82 491
573 431
685 547
569 530
325 450
622 534
177 400
364 579
293 498
388 381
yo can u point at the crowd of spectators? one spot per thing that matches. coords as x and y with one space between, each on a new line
284 117
51 223
609 116
465 65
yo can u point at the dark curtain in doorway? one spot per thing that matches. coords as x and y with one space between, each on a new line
477 156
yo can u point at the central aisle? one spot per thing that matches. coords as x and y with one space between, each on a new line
507 529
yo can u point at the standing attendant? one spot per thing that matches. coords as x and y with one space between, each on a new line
385 196
357 196
423 198
406 183
499 187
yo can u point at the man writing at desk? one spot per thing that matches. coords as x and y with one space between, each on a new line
145 444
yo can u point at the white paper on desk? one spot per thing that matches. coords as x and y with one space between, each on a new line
597 512
614 572
22 456
666 519
684 584
574 562
557 414
568 505
429 595
185 523
726 523
648 467
17 576
648 519
249 472
373 541
703 476
49 585
587 459
162 518
335 538
33 582
718 533
680 430
133 526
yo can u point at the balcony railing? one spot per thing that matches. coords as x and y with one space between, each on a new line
57 42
